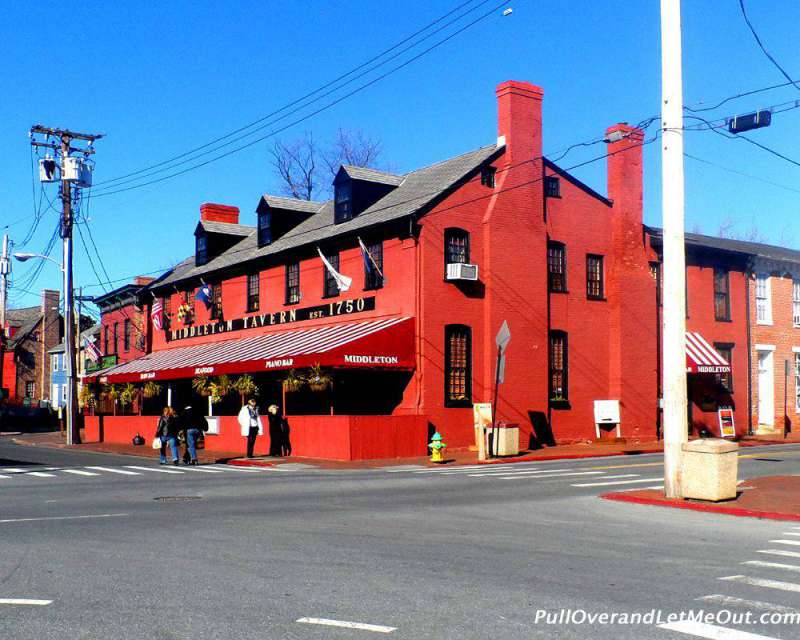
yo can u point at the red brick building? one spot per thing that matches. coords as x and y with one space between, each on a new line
123 328
450 252
30 333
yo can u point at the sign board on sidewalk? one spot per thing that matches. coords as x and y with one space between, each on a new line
481 420
606 412
727 428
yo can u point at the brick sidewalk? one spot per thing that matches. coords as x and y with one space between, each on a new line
772 498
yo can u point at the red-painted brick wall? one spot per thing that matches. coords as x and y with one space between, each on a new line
138 342
784 336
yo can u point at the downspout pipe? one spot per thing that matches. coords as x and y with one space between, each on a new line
747 273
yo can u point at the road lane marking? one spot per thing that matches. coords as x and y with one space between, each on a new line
233 467
773 565
793 542
30 601
80 472
631 466
780 552
790 533
529 476
156 469
710 631
99 515
614 482
120 471
464 468
5 477
522 472
377 628
748 604
39 474
203 469
763 582
14 470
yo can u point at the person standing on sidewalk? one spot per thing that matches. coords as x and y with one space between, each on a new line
250 423
167 432
193 428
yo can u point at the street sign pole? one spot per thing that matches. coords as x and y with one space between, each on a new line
502 339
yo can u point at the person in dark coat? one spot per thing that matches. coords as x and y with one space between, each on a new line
167 431
276 436
193 424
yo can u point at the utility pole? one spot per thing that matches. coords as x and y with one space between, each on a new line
674 296
73 170
5 271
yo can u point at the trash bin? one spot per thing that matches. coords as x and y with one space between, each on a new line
709 469
507 439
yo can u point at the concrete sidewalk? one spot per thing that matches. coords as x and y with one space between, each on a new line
769 497
452 458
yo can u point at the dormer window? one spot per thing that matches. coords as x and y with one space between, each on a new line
343 207
264 228
201 249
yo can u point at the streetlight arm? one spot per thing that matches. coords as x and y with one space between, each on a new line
23 257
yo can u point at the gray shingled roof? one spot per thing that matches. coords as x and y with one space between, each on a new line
226 228
372 175
24 320
417 190
293 204
767 251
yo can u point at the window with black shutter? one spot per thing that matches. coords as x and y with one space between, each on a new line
293 283
594 277
253 291
264 228
201 249
725 349
105 341
373 266
329 286
116 337
722 298
556 267
343 201
458 366
126 335
487 176
559 383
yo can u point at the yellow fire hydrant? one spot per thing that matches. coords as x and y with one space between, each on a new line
437 447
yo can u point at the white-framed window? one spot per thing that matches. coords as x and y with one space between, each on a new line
64 393
797 382
796 303
763 299
54 362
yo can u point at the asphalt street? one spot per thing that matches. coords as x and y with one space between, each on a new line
103 546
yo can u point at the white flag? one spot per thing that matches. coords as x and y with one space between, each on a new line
342 282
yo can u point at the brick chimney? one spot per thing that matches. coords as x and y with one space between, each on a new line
519 120
210 212
625 172
141 281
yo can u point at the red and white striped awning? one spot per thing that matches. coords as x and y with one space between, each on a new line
701 357
385 343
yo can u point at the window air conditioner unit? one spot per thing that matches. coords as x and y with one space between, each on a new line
461 271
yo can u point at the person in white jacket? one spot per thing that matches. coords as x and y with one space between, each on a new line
250 423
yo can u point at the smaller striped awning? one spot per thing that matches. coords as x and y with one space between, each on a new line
386 343
701 357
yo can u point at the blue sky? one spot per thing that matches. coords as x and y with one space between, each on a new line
161 78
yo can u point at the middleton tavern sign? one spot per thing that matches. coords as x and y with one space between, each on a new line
330 310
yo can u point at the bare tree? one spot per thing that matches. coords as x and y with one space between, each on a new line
727 229
298 163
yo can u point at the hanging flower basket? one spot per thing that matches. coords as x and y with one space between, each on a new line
318 379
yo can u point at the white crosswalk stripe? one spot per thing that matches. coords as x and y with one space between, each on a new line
732 601
155 469
119 471
39 474
710 631
780 552
773 565
764 582
80 472
529 476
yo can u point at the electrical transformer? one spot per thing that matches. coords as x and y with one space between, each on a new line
48 170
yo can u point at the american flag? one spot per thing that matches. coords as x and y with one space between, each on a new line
92 352
157 314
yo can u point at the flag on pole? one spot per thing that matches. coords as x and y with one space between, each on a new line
92 352
342 282
157 314
205 295
369 261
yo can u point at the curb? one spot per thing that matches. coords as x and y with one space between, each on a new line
564 456
707 508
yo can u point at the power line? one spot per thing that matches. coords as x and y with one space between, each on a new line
763 48
310 94
313 113
741 173
431 194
